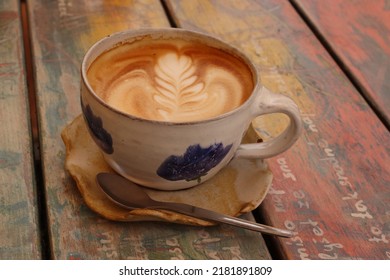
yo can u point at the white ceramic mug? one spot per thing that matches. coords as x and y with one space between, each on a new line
169 155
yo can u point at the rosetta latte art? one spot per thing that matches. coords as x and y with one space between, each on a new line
183 97
179 91
171 85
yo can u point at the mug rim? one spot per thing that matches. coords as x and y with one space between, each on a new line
121 37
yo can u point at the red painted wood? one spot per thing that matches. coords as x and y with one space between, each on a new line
359 33
333 187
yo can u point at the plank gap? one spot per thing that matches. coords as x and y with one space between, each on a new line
355 82
41 201
167 10
271 241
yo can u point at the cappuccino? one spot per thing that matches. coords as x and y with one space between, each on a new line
173 80
168 107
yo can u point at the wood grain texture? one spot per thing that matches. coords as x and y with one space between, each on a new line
359 34
333 187
61 33
19 229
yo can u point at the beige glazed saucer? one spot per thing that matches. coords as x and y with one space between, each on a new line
237 189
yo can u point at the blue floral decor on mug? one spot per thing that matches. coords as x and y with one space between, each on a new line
194 163
95 124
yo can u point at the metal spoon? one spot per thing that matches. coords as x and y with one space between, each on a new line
131 196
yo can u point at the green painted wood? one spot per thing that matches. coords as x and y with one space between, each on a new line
61 33
333 187
358 33
19 230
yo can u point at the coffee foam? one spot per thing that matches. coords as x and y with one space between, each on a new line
170 80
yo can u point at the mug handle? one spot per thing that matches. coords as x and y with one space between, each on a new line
266 103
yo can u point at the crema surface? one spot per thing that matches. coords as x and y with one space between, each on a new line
170 80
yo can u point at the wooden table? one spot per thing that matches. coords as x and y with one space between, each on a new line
19 217
332 189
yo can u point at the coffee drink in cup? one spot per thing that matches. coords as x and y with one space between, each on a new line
168 107
173 80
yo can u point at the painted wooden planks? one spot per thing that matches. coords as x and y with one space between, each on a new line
358 32
333 187
19 230
61 33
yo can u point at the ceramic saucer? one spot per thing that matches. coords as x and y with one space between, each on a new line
237 189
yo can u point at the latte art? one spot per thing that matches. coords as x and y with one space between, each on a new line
171 80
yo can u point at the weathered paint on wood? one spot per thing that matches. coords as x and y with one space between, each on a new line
359 34
61 33
19 229
333 187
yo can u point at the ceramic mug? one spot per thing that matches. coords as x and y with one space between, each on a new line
174 155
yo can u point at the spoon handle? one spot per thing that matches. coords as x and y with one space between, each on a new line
129 195
209 215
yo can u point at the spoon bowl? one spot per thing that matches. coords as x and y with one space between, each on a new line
131 196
